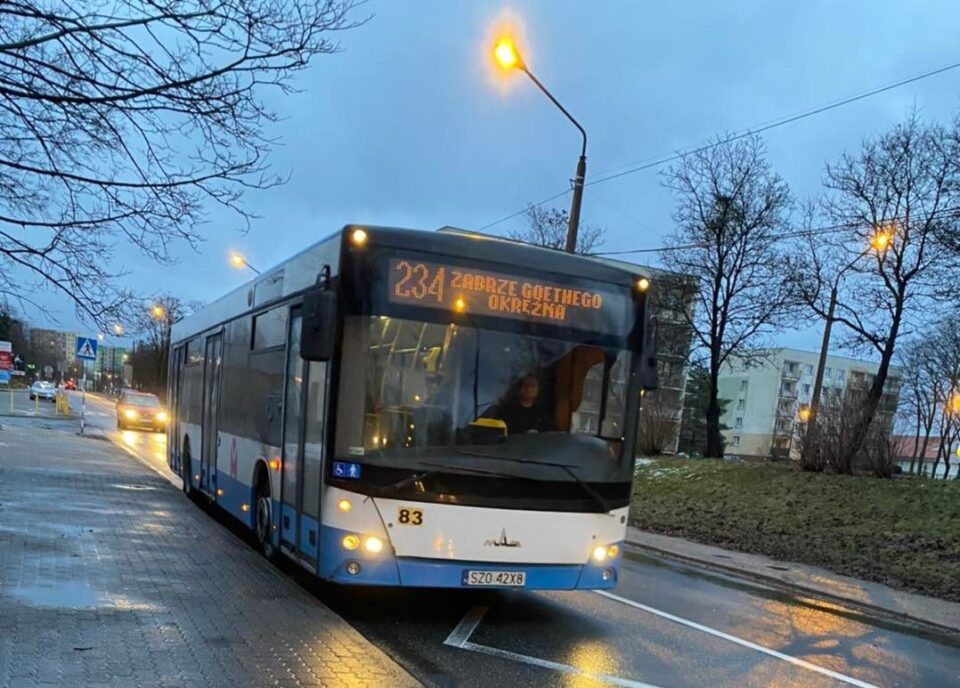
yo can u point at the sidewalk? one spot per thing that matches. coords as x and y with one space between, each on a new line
109 576
813 581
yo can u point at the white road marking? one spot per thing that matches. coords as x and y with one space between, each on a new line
460 639
468 624
739 641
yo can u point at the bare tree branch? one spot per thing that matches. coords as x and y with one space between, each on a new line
127 120
731 211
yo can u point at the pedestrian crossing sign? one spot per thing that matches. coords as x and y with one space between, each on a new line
87 348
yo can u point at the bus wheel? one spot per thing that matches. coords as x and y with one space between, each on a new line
262 526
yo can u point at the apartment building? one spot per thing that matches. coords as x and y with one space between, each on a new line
766 392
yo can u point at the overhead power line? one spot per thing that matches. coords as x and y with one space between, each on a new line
797 234
663 160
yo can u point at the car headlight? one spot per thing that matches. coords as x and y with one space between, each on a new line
130 414
163 417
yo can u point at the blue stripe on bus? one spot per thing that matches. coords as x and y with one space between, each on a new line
235 495
385 569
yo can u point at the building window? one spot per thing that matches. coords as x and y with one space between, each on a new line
738 423
786 388
808 369
741 404
743 385
735 441
806 389
828 373
840 375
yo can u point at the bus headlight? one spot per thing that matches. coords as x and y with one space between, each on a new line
373 545
350 542
162 417
603 552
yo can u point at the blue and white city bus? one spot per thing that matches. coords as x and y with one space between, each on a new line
407 408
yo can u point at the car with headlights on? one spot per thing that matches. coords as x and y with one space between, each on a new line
141 410
43 390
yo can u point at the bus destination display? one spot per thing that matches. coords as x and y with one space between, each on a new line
483 292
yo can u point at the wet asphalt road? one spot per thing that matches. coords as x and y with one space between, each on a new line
667 625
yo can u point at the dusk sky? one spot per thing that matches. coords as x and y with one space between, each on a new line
409 127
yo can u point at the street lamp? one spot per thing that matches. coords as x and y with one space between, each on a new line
880 241
239 262
158 312
507 55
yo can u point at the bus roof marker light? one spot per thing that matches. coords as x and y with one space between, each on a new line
344 505
643 284
275 464
358 237
459 305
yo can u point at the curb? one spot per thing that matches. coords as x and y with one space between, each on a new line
863 607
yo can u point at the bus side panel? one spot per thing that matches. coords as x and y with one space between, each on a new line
237 459
250 419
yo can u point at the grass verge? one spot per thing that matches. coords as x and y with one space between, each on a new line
904 532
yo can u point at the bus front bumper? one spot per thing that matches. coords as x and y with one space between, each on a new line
359 568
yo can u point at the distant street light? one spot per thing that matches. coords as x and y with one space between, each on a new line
880 241
118 329
507 55
239 262
158 312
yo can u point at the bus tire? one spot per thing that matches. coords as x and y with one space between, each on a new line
186 466
263 522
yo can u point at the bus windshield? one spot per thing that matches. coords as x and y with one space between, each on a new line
418 394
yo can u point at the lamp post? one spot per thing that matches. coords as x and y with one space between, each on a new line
239 262
507 55
879 242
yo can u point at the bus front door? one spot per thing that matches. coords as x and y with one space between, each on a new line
211 405
292 433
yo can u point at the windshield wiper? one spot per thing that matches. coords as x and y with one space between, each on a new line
403 482
568 469
439 468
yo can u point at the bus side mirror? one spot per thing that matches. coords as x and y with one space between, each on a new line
318 331
648 356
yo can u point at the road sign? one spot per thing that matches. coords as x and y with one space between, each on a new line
87 348
6 362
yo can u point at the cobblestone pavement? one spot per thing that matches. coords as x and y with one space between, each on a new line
111 577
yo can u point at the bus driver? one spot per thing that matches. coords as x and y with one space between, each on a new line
524 412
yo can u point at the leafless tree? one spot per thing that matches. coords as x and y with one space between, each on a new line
152 349
903 186
548 227
658 424
923 393
125 121
730 214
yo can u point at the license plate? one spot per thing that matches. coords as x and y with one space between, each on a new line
510 579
